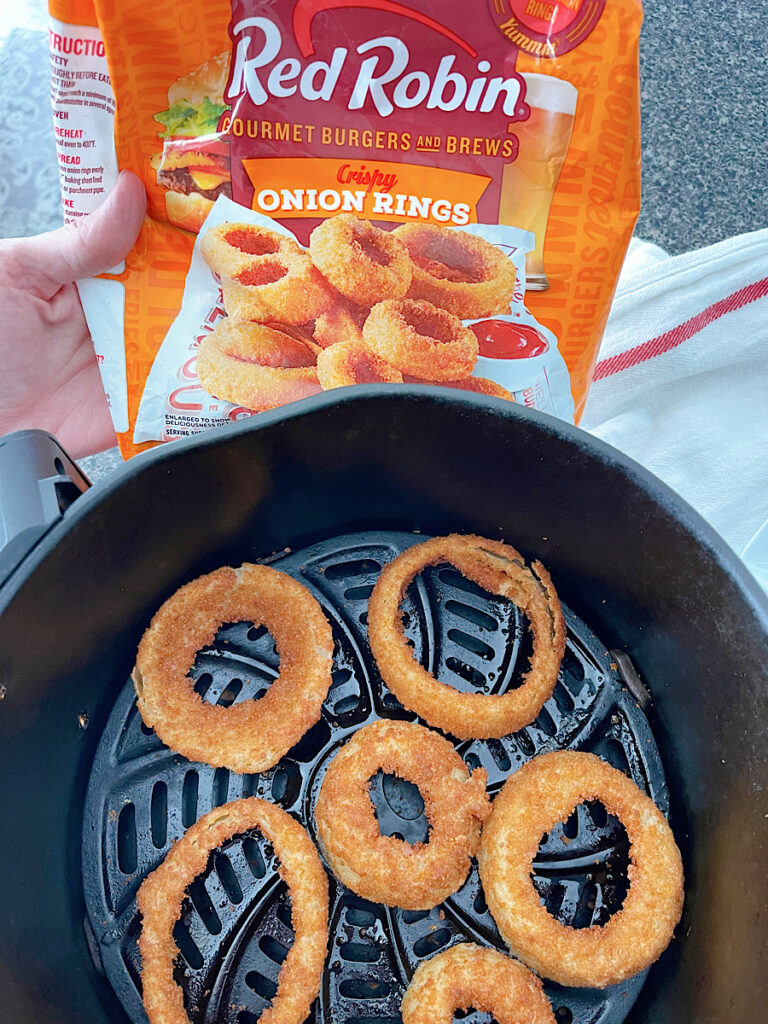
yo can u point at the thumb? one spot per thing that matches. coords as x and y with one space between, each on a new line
95 244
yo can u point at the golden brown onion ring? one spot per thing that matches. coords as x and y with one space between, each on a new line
342 322
420 339
256 366
162 893
254 735
231 247
467 976
533 800
351 362
458 271
363 262
382 868
285 288
501 570
479 385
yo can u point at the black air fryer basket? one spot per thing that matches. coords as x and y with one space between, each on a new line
665 675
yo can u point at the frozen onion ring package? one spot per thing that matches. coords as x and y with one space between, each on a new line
307 160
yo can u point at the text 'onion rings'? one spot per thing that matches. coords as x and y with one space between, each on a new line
458 271
285 288
500 570
363 262
353 363
467 975
256 366
254 735
162 893
532 801
382 868
420 339
231 247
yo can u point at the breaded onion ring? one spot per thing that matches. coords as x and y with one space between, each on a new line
162 893
254 735
501 570
480 385
533 800
467 975
351 362
284 287
382 868
231 247
420 339
457 271
363 262
256 366
342 322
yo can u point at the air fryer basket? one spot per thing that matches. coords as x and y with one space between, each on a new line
628 559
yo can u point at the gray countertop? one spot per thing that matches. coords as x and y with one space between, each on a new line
704 84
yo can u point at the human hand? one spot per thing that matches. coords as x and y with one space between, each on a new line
50 378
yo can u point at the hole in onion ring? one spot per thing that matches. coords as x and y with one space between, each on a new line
262 273
497 660
240 665
446 257
197 906
373 251
445 273
430 325
252 242
581 868
399 808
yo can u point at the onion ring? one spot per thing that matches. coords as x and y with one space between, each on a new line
231 247
284 287
162 893
363 262
468 975
420 339
342 322
382 868
350 362
256 366
480 385
458 271
540 794
501 570
254 735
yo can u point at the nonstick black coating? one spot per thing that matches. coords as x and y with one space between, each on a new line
629 558
235 928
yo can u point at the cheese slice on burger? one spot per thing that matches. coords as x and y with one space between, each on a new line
194 166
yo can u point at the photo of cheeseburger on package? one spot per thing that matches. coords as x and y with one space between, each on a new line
353 192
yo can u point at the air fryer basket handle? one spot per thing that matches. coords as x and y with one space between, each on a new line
38 482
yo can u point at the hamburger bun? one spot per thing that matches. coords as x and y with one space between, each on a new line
208 80
187 211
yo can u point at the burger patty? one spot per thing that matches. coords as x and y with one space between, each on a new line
180 180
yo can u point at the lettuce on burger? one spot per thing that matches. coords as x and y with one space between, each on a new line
194 166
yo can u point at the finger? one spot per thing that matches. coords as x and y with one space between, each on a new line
91 246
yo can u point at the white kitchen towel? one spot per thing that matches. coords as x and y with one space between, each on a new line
681 382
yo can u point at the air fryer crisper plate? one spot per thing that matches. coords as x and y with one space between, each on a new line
235 928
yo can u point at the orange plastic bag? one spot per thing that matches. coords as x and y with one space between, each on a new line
495 144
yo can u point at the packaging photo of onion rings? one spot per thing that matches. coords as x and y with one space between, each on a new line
349 192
